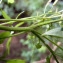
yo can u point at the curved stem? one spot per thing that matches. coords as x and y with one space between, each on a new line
53 42
50 41
52 52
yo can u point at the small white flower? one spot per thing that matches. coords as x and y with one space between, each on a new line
0 1
12 32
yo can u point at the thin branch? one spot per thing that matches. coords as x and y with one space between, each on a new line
52 52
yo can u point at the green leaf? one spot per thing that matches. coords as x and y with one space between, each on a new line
5 15
38 45
56 32
3 35
16 61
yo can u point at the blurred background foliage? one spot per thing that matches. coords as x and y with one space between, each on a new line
34 49
29 6
32 52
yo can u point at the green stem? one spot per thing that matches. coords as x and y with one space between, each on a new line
19 14
17 29
53 42
44 23
20 20
52 52
19 24
29 18
27 28
50 41
10 22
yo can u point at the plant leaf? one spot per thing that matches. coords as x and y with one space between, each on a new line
3 35
5 15
16 61
56 32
